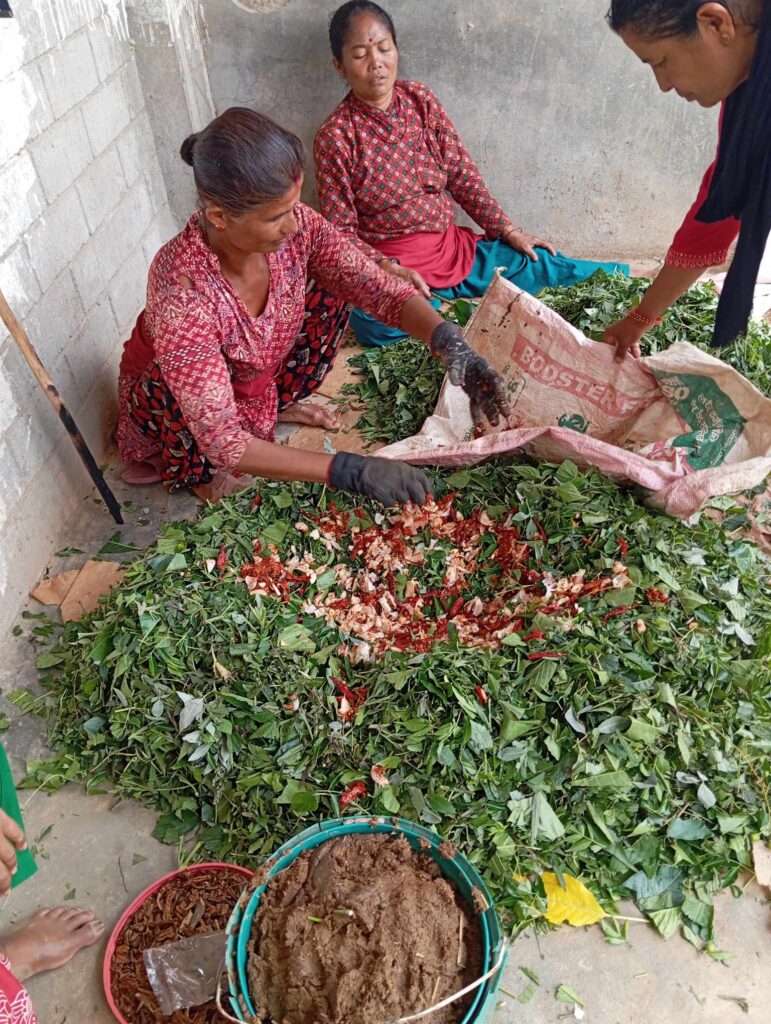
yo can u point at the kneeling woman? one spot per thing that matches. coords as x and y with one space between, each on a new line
392 170
245 310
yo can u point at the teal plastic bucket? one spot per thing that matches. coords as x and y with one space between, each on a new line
457 870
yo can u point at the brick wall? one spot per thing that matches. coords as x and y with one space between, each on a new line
83 208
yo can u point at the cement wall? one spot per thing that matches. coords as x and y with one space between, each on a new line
83 209
567 126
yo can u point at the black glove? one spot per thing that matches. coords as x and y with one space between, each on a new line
478 379
392 483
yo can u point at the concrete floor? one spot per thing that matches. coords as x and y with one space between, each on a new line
104 851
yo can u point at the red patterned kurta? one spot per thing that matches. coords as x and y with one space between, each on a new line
384 174
697 244
15 1004
204 338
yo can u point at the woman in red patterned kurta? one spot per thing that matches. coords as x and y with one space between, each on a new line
392 171
245 308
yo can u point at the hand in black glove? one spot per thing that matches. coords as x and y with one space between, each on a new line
392 483
478 379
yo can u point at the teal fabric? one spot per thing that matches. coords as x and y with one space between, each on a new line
558 271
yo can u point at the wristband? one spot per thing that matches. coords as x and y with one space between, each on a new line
641 318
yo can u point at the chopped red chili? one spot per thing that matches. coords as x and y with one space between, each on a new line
542 655
222 559
352 794
481 694
617 611
623 546
656 596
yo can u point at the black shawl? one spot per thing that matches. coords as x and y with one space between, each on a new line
741 186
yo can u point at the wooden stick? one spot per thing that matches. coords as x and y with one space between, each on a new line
21 338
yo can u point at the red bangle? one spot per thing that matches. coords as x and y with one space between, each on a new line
641 318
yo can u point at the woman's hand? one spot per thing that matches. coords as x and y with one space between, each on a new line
387 481
411 276
625 335
478 379
12 838
523 241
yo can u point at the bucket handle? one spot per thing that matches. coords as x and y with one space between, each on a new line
416 1016
221 1008
458 995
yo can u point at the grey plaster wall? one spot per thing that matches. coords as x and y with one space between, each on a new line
567 126
83 210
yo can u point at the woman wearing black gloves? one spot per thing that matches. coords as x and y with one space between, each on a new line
245 311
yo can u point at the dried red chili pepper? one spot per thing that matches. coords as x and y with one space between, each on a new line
656 596
354 792
257 501
535 635
623 546
222 559
618 611
541 532
456 607
542 655
481 694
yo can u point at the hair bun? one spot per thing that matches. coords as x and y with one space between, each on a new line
186 149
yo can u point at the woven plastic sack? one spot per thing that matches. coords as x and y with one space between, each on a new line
682 425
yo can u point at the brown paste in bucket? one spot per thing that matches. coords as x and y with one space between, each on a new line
362 930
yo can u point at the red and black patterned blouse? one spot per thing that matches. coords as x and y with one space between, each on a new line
205 342
383 174
697 244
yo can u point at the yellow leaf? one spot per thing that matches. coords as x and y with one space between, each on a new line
221 670
573 905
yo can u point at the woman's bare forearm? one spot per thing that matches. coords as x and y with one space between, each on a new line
666 288
278 462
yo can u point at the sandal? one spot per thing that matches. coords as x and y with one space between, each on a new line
142 473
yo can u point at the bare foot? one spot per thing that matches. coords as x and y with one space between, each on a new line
312 414
50 939
221 486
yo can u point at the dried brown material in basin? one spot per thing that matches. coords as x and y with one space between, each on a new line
193 903
362 930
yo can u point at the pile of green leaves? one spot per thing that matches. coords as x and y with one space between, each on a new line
638 762
601 300
400 384
399 388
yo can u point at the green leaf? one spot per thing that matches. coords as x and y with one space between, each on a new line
605 780
688 829
642 732
389 800
544 821
304 801
49 660
662 891
666 921
706 796
565 994
481 739
526 995
296 638
114 546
